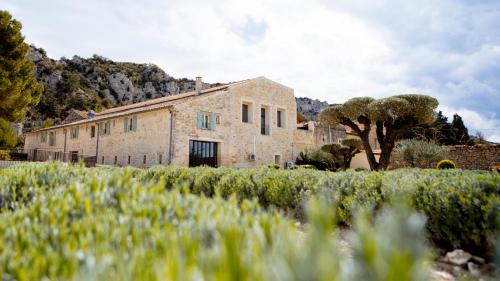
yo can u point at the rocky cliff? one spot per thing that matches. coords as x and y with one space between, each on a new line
310 108
96 83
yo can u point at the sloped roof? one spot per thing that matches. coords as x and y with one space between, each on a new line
148 105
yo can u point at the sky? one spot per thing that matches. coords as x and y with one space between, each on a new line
327 50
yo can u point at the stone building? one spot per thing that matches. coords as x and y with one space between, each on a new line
243 124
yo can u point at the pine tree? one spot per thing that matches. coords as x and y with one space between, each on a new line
461 132
18 86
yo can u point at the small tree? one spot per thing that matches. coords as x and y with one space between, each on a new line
321 160
18 86
8 136
344 151
419 153
392 117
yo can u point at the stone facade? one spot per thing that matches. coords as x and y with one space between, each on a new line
154 142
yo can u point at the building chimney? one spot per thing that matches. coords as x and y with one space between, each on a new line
198 85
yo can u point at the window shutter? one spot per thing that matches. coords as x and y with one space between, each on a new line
134 123
77 129
199 120
125 125
212 120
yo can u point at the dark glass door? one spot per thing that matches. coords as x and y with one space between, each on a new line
202 153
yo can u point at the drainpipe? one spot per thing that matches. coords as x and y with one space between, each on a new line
171 141
64 151
97 142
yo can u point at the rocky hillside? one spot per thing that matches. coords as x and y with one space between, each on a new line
310 108
96 83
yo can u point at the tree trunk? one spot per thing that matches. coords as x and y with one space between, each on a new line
369 153
386 148
363 135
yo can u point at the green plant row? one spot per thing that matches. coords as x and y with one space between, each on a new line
62 222
462 207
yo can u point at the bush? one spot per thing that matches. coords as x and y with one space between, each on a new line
70 223
274 166
419 153
446 164
461 206
467 223
8 136
5 155
321 160
344 152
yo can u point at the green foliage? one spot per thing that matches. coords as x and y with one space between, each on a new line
5 155
8 136
274 166
387 245
446 164
18 86
461 132
62 222
320 159
48 123
353 190
344 152
419 153
462 214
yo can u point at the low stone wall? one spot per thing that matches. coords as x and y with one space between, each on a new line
477 157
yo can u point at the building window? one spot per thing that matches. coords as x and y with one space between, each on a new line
105 128
159 158
280 118
52 138
130 124
73 133
244 113
264 119
144 160
43 137
116 160
102 161
92 131
277 159
128 161
206 120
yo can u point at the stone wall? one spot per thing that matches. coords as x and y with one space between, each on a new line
477 157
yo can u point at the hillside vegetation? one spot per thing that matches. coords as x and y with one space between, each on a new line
96 83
